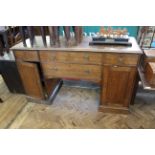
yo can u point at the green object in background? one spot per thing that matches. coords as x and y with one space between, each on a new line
133 30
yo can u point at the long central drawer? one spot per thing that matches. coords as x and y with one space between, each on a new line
71 57
74 71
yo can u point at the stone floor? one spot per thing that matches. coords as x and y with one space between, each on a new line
74 108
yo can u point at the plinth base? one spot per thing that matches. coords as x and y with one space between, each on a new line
109 109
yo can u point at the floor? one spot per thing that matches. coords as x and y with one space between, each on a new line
73 108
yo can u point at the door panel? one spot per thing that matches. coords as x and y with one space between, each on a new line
30 78
118 85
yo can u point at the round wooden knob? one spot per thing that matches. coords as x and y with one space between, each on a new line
87 71
55 69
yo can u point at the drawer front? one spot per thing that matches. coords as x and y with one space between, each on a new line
74 71
150 73
120 59
71 57
26 55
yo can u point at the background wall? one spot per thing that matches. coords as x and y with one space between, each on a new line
133 30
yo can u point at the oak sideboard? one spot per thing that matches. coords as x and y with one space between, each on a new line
113 68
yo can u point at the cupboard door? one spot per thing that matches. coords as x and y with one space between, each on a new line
118 83
30 78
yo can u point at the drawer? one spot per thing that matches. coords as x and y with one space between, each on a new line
71 57
150 73
73 71
120 59
26 55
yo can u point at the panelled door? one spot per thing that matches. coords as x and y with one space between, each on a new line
31 80
118 82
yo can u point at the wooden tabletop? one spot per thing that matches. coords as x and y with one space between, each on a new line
149 53
84 46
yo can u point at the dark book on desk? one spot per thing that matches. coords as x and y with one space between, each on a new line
110 41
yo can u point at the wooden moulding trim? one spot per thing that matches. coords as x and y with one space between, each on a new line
120 110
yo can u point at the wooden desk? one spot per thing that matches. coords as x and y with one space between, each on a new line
114 68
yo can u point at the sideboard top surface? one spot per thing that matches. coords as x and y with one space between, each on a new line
83 46
149 53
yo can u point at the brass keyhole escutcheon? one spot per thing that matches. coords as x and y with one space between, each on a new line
53 57
86 57
120 59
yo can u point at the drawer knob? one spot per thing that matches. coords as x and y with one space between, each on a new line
115 66
87 71
55 69
53 58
